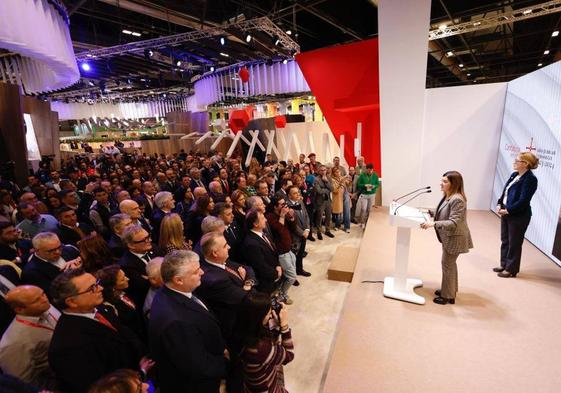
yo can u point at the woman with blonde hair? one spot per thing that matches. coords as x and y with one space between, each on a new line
171 234
338 192
452 231
514 208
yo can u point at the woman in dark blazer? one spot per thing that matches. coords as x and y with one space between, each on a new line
452 231
514 208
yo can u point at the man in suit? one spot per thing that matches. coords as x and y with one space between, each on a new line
207 173
260 253
132 209
234 235
225 284
185 337
164 204
301 230
100 212
196 180
262 190
118 223
88 341
215 191
12 248
49 260
134 260
148 192
24 346
69 230
225 182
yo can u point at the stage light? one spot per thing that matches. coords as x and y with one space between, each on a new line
555 33
461 65
85 67
134 33
178 63
468 74
449 53
224 54
546 52
91 83
527 12
222 41
289 32
285 61
211 68
248 38
540 64
127 31
276 41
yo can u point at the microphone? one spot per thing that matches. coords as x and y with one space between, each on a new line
410 199
412 192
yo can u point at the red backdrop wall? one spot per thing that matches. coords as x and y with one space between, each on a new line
345 82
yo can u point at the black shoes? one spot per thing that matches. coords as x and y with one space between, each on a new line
311 237
498 269
305 254
437 292
320 237
296 283
304 273
506 274
329 234
443 300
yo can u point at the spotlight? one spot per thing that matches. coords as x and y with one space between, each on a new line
148 53
178 63
449 53
127 31
222 40
248 38
91 83
540 64
211 68
546 52
134 33
461 65
285 61
289 32
86 67
555 33
276 41
224 54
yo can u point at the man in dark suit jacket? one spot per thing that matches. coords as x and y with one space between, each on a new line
11 246
234 235
148 193
69 230
49 260
88 341
259 252
184 336
225 284
134 260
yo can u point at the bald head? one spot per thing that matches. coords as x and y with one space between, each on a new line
199 191
130 207
122 196
28 300
215 187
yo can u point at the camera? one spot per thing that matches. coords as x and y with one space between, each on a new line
276 302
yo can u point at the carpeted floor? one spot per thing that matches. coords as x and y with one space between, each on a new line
502 335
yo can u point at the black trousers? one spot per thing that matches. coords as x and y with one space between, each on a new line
300 256
513 229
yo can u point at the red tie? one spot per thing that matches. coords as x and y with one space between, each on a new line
100 318
232 272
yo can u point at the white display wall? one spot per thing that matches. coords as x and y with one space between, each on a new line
461 131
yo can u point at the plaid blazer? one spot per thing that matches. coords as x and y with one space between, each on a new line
451 225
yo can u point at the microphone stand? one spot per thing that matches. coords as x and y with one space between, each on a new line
410 199
412 192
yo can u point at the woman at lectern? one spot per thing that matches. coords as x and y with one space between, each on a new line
514 208
452 231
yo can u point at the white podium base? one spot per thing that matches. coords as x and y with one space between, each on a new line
407 294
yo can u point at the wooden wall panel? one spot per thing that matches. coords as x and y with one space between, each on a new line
12 132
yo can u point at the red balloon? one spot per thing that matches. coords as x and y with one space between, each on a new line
280 121
244 74
239 119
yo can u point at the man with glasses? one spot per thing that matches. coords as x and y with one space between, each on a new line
88 341
49 260
138 253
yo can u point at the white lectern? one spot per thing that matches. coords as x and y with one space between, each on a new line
399 286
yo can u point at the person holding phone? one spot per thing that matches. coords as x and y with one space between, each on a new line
514 208
267 344
452 231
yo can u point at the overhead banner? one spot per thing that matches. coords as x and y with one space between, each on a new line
532 122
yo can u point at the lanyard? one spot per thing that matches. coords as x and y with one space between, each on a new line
36 325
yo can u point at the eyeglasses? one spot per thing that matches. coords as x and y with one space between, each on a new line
54 249
143 240
91 289
519 161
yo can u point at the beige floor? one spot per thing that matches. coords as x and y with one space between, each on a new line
315 313
503 335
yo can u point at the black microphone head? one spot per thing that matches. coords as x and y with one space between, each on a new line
428 187
429 191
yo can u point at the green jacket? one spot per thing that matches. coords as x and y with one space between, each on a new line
364 179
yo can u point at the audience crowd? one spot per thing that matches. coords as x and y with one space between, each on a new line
124 268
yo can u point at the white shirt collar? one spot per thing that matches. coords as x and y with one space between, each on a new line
90 315
186 294
141 256
220 265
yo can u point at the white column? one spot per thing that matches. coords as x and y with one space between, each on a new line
403 27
